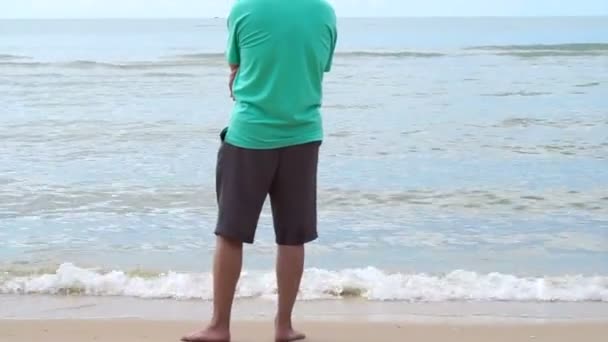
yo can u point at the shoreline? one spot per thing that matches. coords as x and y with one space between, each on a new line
40 307
352 331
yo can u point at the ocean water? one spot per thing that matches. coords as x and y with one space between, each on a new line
464 160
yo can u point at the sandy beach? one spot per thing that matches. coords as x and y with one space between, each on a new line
157 331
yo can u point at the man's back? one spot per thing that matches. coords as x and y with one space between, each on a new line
282 47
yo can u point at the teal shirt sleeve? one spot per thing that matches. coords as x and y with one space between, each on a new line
232 52
333 29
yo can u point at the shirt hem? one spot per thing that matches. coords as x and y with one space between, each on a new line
281 144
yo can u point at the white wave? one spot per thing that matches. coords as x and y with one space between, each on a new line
368 283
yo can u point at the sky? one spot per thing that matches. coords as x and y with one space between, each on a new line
344 8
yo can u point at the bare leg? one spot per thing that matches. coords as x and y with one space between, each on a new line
226 272
290 266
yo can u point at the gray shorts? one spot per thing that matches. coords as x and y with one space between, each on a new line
245 177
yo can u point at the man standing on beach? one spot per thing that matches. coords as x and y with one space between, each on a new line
278 52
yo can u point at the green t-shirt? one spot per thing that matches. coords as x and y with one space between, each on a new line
283 48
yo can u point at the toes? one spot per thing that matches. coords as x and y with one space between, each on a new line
192 338
187 339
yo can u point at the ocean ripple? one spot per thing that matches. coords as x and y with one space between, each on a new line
40 200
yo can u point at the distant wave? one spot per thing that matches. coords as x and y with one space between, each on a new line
86 65
211 58
518 93
198 55
83 64
405 54
545 50
168 74
545 47
143 65
587 85
23 64
187 60
318 284
6 57
549 53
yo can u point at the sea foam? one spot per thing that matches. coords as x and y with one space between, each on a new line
366 283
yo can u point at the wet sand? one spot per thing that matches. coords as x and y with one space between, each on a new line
163 331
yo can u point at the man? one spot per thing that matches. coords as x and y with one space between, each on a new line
278 51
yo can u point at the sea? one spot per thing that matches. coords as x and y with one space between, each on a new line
465 161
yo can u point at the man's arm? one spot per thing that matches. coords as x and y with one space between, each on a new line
234 69
233 53
333 30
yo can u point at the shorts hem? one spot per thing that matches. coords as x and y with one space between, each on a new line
298 243
234 237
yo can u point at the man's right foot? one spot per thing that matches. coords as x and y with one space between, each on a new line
289 335
286 333
208 335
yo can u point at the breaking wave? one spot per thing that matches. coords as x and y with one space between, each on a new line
366 283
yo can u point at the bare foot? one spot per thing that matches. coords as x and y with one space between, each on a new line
208 335
289 335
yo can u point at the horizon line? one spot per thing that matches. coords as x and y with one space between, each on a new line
340 17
